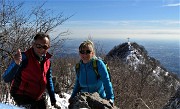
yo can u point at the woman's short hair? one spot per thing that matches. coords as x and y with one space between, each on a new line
87 43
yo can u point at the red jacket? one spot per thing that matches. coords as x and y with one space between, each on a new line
32 79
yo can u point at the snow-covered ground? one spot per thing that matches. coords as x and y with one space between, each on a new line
62 102
8 106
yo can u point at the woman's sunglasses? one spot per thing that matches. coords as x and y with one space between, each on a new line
85 51
39 46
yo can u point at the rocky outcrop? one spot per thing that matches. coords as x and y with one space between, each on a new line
150 79
90 101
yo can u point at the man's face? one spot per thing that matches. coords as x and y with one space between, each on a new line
41 46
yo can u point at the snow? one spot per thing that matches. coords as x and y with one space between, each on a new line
134 58
8 106
62 102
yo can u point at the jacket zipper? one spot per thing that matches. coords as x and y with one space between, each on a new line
86 78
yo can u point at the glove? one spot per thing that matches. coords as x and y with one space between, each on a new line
111 102
55 106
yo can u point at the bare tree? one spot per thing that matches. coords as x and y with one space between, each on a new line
18 27
138 89
65 72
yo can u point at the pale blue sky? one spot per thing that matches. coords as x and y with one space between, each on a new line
118 18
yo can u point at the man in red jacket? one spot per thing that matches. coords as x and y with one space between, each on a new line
30 74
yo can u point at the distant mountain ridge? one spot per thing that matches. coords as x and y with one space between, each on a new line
136 55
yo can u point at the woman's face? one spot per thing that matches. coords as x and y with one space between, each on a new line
86 53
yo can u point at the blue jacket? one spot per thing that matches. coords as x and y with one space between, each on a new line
86 80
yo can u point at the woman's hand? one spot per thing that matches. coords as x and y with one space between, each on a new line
111 102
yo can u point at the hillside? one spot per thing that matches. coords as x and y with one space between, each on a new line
136 55
140 75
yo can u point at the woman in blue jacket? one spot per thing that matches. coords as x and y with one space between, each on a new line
86 78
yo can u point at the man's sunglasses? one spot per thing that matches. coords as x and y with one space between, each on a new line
39 46
85 51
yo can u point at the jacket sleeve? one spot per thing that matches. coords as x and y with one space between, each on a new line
50 86
76 88
106 80
12 70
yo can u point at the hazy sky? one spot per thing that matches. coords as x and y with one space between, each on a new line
118 18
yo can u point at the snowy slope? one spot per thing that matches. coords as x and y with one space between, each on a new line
8 106
62 102
136 55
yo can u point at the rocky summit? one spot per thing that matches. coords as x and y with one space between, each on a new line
159 81
90 101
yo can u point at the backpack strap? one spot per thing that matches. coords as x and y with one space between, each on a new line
95 67
108 69
77 67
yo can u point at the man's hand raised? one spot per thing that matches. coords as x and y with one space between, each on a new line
18 57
